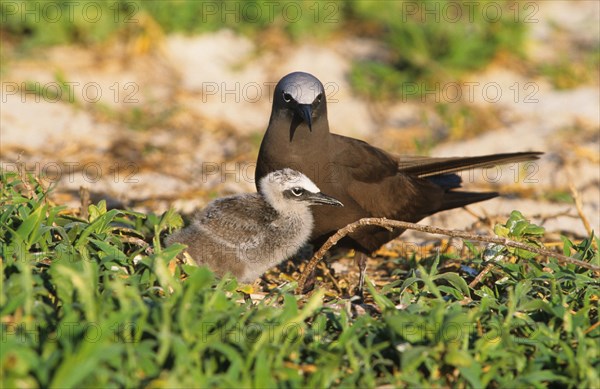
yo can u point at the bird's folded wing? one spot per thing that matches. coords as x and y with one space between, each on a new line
364 162
376 185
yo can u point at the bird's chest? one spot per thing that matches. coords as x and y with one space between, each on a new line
309 158
291 231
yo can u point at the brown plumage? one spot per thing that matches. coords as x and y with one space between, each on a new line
369 181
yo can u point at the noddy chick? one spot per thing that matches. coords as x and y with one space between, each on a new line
249 233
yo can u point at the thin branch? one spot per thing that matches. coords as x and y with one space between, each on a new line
592 328
84 197
387 223
24 178
579 206
148 249
481 275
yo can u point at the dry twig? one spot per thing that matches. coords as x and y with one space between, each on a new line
387 223
148 249
480 276
84 196
579 206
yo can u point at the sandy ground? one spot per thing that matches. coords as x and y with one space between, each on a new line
181 123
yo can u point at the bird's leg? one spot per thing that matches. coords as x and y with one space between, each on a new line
361 260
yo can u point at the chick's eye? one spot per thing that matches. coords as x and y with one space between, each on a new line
319 97
287 97
297 191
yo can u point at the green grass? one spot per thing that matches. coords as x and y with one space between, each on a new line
428 41
432 42
50 22
98 302
569 73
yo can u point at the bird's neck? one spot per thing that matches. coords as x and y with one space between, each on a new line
300 140
296 213
301 218
304 152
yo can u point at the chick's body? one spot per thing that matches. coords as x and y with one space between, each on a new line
249 233
244 235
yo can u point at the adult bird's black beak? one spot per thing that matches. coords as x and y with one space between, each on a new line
321 198
305 111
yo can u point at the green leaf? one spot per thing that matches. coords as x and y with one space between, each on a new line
111 251
458 358
533 229
29 231
457 282
99 225
501 231
95 211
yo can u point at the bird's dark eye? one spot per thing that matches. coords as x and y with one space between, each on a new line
297 191
319 97
287 97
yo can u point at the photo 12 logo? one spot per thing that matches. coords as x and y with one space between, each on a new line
90 172
86 332
471 91
69 11
469 11
270 11
70 92
253 92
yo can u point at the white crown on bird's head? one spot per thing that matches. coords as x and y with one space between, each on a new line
302 87
287 178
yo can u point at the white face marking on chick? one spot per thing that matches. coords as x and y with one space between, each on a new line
273 186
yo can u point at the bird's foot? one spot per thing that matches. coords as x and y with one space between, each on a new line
361 260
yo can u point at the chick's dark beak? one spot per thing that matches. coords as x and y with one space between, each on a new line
305 111
323 199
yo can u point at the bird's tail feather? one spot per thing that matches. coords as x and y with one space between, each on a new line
429 167
456 199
